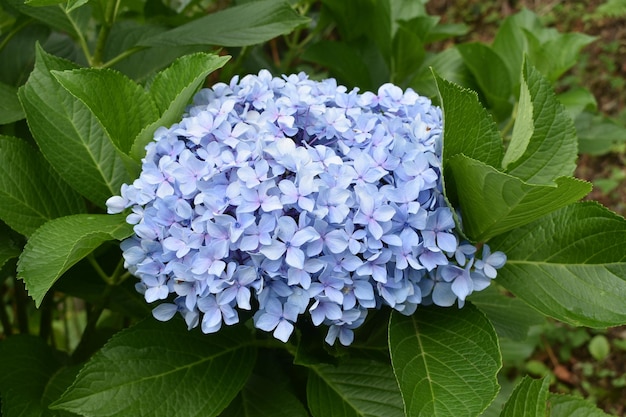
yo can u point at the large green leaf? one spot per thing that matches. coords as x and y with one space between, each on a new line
172 89
60 243
510 42
9 249
55 16
10 107
247 24
570 406
468 128
557 54
491 74
445 360
528 399
448 64
598 134
27 364
343 61
570 265
493 202
544 145
121 106
31 193
511 317
262 397
70 136
356 388
161 369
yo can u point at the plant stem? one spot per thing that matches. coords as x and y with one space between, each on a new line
122 56
20 305
81 38
83 350
105 30
14 32
7 329
45 321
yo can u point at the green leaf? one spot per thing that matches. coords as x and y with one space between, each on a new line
120 105
446 361
408 48
176 372
577 100
39 3
353 388
570 406
493 202
71 137
511 317
247 24
10 107
528 399
468 128
510 42
261 397
557 54
570 265
343 61
55 16
599 347
598 134
491 74
31 193
60 243
448 64
172 90
544 144
27 364
9 249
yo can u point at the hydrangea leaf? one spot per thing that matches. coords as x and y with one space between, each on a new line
343 60
110 95
172 89
60 243
246 24
494 202
30 190
554 52
528 399
27 364
56 17
468 127
70 136
491 74
571 406
570 265
511 317
261 397
9 249
10 107
353 388
445 361
543 145
177 372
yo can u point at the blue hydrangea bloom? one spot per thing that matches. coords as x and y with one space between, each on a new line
291 197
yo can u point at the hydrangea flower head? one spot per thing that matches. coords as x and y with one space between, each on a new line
295 197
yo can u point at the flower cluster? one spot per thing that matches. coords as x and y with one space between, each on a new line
289 196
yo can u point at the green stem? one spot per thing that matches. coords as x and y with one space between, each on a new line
20 305
14 32
84 349
7 329
81 38
509 125
96 266
45 321
105 30
122 56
